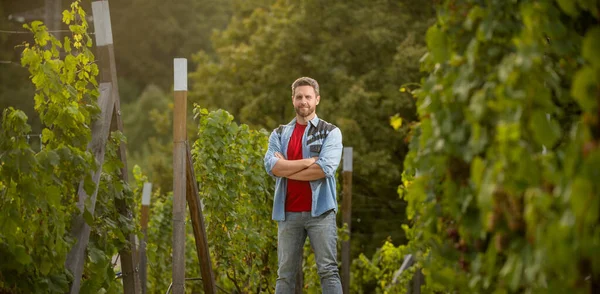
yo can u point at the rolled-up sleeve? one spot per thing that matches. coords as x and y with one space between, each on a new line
274 146
331 153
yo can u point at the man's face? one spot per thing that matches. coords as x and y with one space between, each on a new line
305 100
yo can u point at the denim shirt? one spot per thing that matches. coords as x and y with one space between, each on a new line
320 139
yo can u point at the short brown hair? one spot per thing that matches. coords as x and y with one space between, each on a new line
305 81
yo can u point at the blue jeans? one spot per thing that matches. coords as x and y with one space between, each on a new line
322 233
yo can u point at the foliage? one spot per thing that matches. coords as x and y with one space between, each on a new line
148 127
502 175
71 82
376 275
34 241
14 82
39 189
149 34
237 197
109 229
159 246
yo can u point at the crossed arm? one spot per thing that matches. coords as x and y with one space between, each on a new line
301 170
307 169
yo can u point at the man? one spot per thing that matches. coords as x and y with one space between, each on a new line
303 157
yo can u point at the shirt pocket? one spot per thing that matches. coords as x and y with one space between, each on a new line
315 149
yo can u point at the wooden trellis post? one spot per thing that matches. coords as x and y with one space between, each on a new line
185 188
193 199
346 217
146 194
179 174
110 119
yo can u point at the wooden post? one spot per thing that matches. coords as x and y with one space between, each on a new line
417 281
146 193
108 71
52 16
110 119
346 217
179 174
193 199
81 230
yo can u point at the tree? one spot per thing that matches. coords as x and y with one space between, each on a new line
148 127
149 34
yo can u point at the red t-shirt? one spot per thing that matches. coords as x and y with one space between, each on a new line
299 193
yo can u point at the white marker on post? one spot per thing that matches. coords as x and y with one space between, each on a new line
347 159
180 74
146 192
102 24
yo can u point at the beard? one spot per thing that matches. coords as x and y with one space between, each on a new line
304 111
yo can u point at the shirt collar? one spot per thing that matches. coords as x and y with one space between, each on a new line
314 122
